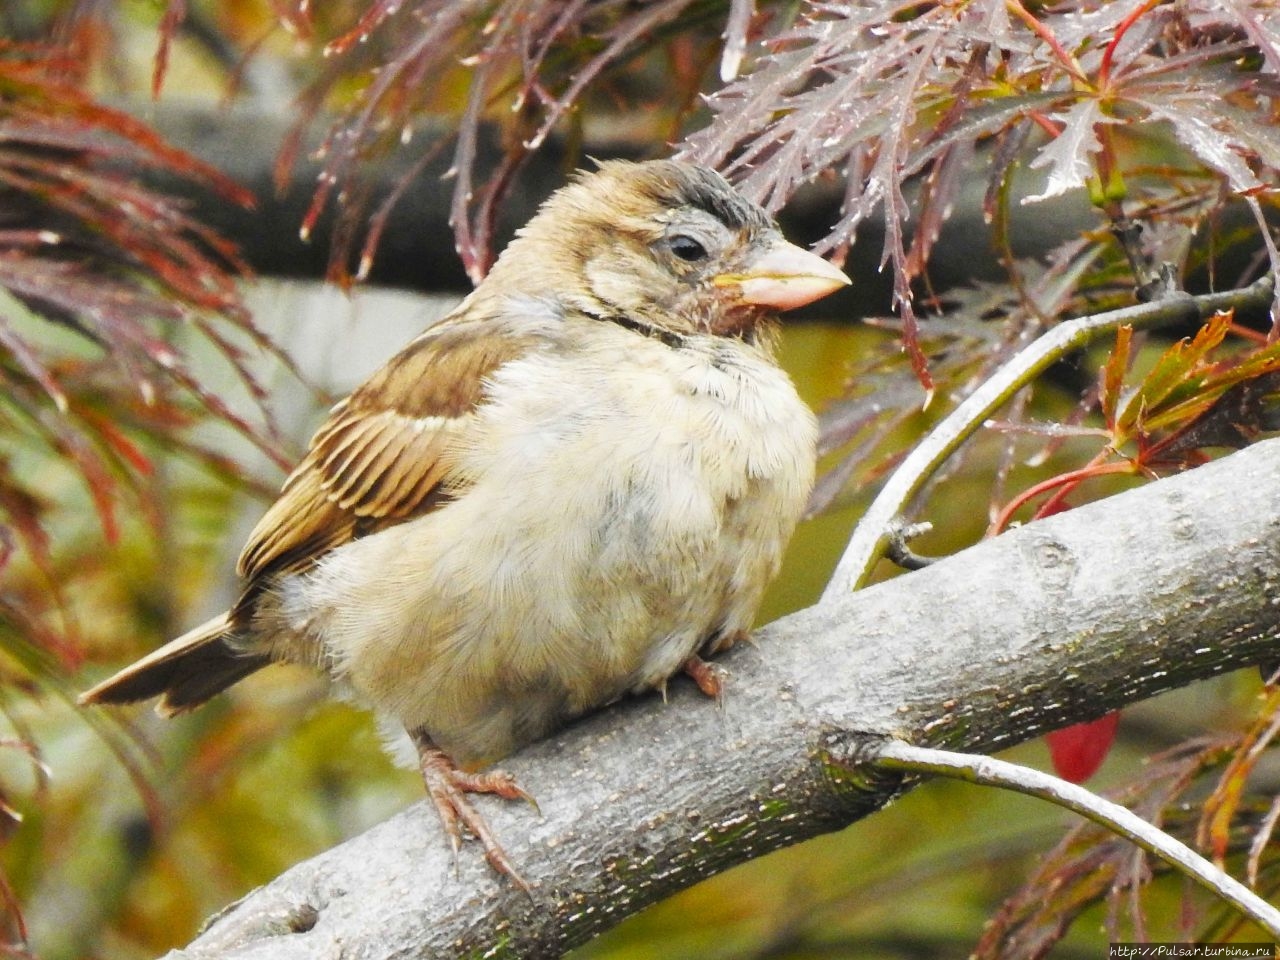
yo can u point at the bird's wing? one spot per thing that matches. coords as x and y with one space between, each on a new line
383 454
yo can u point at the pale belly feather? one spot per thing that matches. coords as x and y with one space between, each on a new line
622 507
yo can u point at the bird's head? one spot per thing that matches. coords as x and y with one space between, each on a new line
666 245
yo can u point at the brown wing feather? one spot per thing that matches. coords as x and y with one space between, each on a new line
301 525
381 457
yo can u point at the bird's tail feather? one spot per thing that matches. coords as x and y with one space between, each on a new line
184 673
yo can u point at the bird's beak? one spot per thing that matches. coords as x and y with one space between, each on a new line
784 277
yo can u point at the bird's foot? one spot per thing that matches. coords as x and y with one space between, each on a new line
447 786
708 677
724 641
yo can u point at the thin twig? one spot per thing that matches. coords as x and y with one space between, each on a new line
870 537
898 549
899 755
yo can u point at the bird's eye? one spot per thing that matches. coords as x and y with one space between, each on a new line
687 248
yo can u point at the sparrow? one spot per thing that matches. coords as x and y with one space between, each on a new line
573 487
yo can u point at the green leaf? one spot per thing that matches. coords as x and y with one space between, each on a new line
1113 375
1176 368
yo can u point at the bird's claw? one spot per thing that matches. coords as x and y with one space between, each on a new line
447 786
709 678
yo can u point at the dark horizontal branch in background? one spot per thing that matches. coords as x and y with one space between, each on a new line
417 247
1057 622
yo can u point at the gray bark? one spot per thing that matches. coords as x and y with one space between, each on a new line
1056 622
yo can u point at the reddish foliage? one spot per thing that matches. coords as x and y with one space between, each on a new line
531 64
89 250
952 75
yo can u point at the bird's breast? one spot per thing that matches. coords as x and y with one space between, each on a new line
619 501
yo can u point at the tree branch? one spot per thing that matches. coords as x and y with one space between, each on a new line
1053 623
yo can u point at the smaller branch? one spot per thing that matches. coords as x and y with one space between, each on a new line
1128 234
899 755
1151 282
871 536
898 549
1260 840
